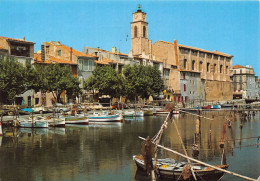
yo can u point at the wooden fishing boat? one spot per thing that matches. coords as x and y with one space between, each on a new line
163 112
206 107
78 119
56 122
33 122
105 117
216 107
171 169
128 113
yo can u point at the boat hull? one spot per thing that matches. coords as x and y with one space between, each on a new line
77 120
34 124
57 122
174 173
106 118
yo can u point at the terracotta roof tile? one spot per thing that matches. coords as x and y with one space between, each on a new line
100 62
108 60
37 59
101 50
238 66
74 52
60 61
198 49
14 39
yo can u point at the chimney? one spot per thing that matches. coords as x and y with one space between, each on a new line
71 54
42 53
24 38
113 49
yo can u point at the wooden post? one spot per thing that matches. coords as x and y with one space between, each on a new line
1 131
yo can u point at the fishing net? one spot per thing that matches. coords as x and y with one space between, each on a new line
186 172
169 107
147 151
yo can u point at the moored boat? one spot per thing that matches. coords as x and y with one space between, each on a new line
105 117
206 107
78 119
163 112
171 169
33 122
56 122
216 107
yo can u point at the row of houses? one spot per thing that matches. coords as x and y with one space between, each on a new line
189 73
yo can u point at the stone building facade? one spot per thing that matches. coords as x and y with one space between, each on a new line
22 51
211 70
245 82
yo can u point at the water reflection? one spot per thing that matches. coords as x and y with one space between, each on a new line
104 151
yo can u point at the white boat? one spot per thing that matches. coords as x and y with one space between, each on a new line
139 113
78 119
33 122
56 122
163 112
105 117
129 113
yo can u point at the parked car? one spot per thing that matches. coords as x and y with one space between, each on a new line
58 107
119 105
94 105
40 109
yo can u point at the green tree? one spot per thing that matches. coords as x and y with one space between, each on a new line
56 79
142 81
106 80
12 80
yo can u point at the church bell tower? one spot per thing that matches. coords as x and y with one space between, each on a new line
139 34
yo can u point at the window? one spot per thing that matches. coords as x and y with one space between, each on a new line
220 68
200 66
186 98
215 57
166 73
85 65
184 76
59 52
185 63
226 69
184 87
214 68
144 31
135 31
193 65
209 55
194 52
47 50
208 64
202 54
221 58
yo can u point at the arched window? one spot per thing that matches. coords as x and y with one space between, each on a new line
144 31
135 31
193 65
220 68
208 64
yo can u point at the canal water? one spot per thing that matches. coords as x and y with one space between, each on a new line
104 152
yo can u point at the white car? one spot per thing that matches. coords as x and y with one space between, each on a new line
58 107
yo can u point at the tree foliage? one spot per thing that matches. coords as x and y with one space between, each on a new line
106 80
142 81
12 80
56 79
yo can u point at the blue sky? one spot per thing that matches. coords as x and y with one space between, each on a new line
231 27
